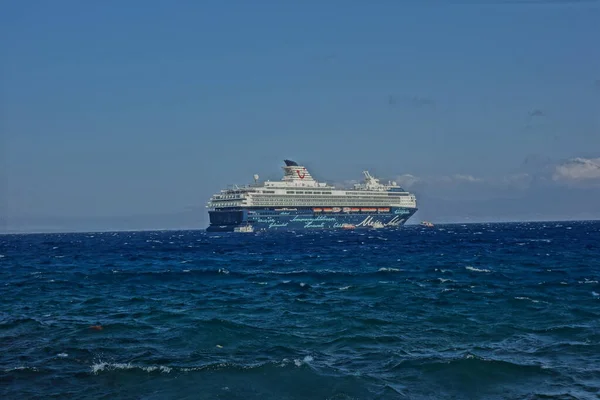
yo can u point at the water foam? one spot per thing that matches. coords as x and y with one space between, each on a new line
305 360
21 368
385 269
530 299
104 366
477 269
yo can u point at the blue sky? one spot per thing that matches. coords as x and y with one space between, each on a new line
142 109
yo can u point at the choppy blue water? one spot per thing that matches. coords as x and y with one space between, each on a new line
489 311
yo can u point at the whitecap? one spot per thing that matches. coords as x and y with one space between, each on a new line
442 280
344 288
62 355
302 284
21 368
104 366
2 256
384 269
477 269
305 360
595 294
532 300
186 270
223 271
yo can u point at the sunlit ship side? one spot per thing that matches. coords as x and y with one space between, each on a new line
300 202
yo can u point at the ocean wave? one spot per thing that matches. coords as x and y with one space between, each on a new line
530 299
474 366
388 269
477 269
21 368
103 367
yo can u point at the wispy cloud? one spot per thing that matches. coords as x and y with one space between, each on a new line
578 170
407 180
537 113
411 181
533 173
466 178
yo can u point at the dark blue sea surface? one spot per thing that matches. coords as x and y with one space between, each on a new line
491 311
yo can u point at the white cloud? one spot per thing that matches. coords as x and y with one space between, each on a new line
577 170
407 180
466 178
517 181
410 181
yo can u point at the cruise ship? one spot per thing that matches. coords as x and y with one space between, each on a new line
298 202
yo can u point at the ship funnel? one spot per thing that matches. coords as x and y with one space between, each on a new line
297 173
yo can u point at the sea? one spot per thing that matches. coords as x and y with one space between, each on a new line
473 311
